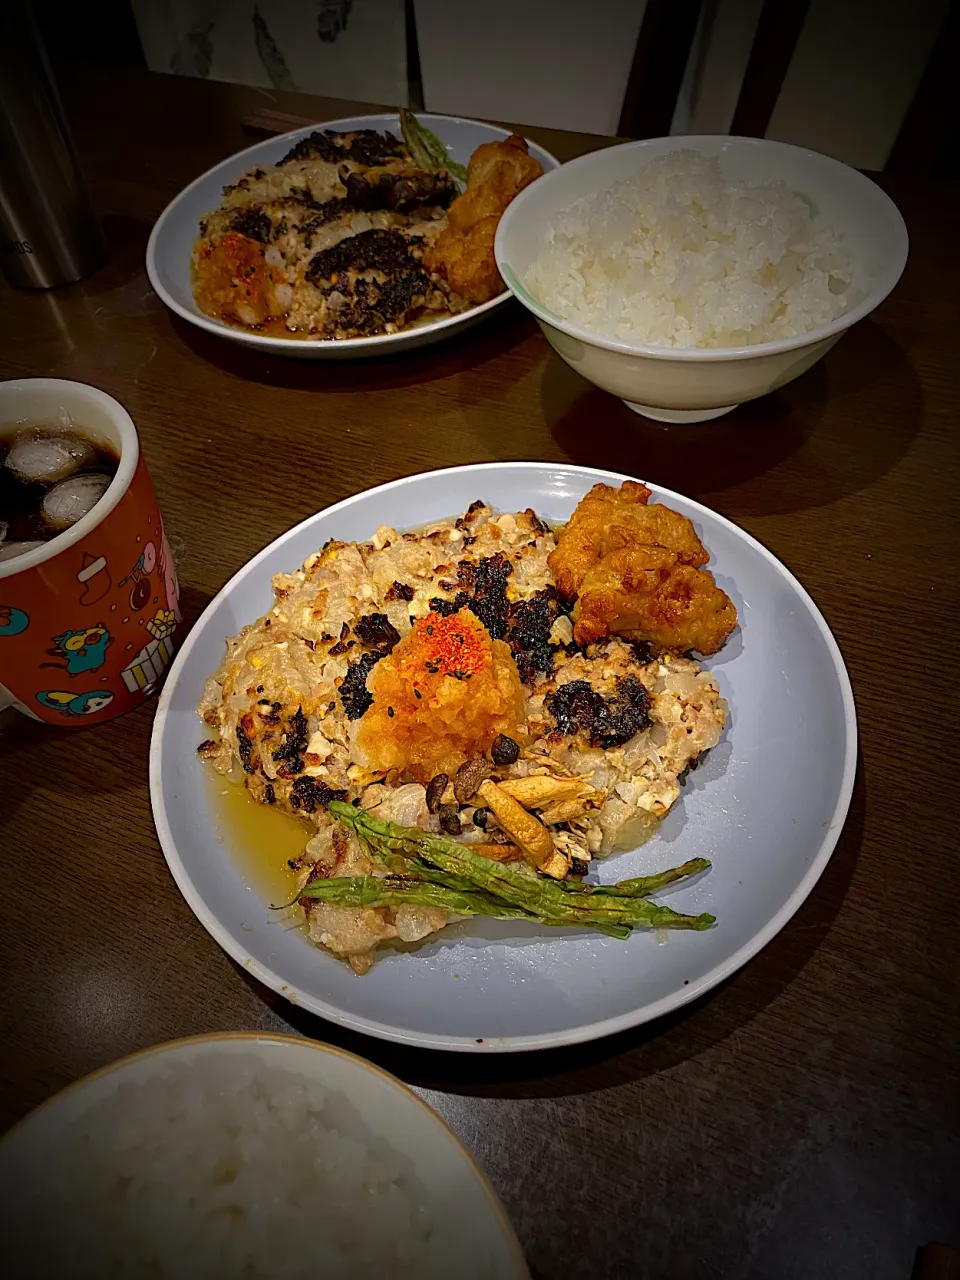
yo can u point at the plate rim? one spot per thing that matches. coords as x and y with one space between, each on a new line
266 342
543 1040
253 1038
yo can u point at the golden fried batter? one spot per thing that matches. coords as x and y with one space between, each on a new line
636 569
649 593
463 252
610 519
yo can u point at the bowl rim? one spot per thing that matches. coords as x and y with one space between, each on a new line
267 342
174 1047
584 1031
753 351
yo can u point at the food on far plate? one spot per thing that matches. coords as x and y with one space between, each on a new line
463 252
423 701
356 234
635 569
679 255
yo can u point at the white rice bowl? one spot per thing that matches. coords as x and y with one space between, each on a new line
225 1166
680 255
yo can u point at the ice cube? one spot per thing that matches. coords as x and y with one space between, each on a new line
11 549
70 500
47 459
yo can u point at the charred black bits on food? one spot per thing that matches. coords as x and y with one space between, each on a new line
435 790
289 755
578 867
365 146
446 608
449 819
467 518
609 721
343 644
207 749
245 747
378 275
399 591
642 650
488 580
397 191
253 224
355 698
504 750
624 715
480 817
530 624
310 794
269 795
376 630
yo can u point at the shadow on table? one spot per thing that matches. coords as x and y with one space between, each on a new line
127 247
806 441
484 341
629 1055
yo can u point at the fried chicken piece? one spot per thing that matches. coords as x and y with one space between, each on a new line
635 569
609 519
650 593
463 252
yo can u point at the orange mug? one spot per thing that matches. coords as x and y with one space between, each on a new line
88 620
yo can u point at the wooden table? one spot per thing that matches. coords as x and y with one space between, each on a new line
801 1121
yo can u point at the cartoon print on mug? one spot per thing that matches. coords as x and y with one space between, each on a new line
146 667
75 704
140 576
95 578
12 621
168 571
84 650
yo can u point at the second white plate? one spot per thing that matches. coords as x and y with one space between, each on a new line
170 247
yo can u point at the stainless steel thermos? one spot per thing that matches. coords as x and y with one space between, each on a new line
49 233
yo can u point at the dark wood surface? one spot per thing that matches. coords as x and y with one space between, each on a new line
801 1121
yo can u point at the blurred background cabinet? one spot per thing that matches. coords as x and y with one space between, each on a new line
867 81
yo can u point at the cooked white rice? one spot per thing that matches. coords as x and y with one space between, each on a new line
678 256
190 1174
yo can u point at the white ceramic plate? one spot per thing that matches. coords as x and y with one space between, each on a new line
170 246
453 1186
766 806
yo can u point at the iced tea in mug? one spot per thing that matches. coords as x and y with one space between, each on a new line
89 606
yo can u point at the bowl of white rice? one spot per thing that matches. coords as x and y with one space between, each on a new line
689 274
246 1155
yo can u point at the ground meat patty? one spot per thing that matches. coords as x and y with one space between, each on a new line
371 280
365 146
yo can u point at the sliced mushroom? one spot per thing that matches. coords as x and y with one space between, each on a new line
540 790
449 819
468 778
526 830
437 786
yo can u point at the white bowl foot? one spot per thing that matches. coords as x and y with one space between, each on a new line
678 416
